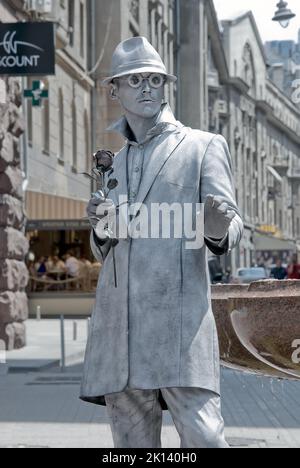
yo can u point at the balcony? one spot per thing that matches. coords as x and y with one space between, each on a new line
281 164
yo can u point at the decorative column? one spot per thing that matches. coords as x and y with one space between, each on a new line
13 243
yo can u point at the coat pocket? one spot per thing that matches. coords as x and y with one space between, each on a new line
177 179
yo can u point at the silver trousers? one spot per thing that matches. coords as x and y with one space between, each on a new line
136 417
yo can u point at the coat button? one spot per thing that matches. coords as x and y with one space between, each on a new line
137 169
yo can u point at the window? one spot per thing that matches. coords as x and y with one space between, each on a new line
71 21
74 137
29 114
87 142
61 121
46 122
280 219
81 29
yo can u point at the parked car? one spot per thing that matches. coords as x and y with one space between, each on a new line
248 275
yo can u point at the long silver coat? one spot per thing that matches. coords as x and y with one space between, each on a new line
157 328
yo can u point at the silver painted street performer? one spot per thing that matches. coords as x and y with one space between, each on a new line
153 342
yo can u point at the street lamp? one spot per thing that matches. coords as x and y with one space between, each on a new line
283 15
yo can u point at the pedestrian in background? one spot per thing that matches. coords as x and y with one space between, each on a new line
279 272
294 268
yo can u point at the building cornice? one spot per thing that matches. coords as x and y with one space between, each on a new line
280 95
271 117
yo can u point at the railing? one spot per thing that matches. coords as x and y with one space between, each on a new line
84 282
281 162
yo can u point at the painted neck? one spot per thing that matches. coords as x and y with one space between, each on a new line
140 126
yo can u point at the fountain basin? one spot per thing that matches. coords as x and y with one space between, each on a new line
259 327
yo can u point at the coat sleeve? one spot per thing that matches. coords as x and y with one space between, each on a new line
217 179
99 248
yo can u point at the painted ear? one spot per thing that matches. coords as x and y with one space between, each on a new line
113 92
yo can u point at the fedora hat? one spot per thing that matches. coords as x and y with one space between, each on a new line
136 55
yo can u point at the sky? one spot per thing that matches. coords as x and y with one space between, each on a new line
263 11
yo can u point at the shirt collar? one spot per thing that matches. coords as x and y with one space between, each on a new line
164 120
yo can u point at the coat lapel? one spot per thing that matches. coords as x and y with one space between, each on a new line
166 146
120 173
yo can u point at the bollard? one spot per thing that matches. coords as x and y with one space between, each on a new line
62 344
75 331
38 313
3 365
88 323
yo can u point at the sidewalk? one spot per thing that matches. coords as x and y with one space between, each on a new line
42 409
43 348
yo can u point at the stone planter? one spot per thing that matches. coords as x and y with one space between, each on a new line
259 326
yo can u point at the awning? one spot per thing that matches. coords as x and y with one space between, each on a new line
275 174
262 242
44 207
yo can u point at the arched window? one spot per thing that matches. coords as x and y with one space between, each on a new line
74 136
61 120
46 122
248 69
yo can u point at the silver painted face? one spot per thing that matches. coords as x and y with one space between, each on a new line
138 96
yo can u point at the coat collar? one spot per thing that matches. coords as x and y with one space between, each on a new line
164 121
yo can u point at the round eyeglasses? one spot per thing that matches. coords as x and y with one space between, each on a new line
155 80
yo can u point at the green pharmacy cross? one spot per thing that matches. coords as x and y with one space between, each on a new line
37 93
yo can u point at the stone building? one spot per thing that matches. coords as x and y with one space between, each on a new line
224 87
13 243
58 140
265 143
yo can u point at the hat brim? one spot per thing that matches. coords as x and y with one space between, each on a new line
109 79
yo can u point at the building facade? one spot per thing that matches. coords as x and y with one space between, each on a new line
265 143
58 141
225 71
